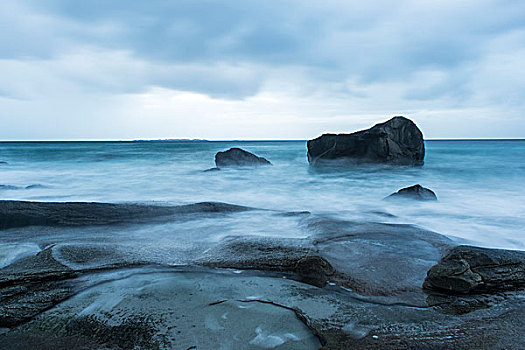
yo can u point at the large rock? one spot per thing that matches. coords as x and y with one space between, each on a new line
416 192
471 270
238 157
397 141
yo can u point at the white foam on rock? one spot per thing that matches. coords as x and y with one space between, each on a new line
11 252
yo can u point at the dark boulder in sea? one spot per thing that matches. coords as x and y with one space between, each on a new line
416 192
211 170
3 163
474 270
396 141
238 157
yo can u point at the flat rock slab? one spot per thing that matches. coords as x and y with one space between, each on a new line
167 310
23 213
159 308
386 261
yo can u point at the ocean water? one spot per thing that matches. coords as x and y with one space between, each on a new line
480 185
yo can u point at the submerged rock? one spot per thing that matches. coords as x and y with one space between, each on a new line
416 192
9 187
472 270
31 187
3 163
238 157
396 141
211 170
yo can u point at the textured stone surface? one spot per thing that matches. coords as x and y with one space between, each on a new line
292 256
32 285
471 270
397 141
169 308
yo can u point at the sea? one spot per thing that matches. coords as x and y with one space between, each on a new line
480 185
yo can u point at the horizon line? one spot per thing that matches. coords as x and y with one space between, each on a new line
236 140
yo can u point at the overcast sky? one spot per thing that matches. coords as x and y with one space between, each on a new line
123 69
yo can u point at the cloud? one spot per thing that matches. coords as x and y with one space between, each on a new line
347 61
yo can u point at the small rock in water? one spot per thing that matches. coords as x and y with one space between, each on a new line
211 169
416 192
3 163
238 157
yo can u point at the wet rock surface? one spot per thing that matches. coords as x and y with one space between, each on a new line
474 270
293 256
236 157
32 285
416 192
22 213
382 261
160 308
396 141
344 285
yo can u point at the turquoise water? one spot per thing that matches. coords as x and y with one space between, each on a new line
479 183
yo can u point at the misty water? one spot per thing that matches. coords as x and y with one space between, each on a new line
479 185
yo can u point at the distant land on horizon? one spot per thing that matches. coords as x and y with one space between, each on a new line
234 140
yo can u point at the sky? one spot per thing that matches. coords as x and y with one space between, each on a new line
243 69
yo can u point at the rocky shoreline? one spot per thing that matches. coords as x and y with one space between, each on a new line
345 285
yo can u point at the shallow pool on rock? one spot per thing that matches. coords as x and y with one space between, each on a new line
170 310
